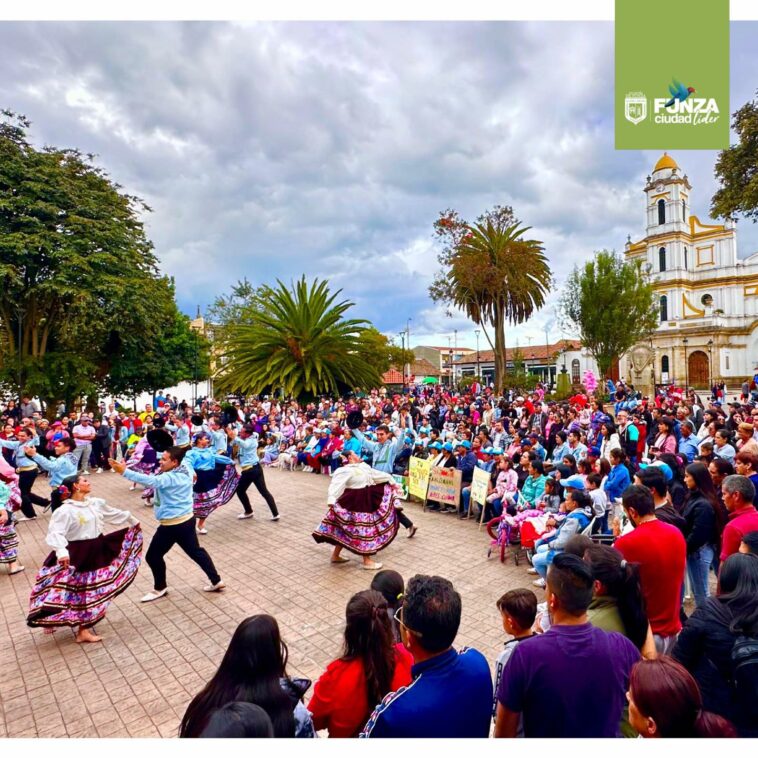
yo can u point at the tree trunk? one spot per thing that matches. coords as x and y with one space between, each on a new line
500 363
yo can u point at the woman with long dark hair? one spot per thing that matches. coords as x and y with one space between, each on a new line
254 670
664 701
618 604
703 517
676 487
391 585
371 665
705 644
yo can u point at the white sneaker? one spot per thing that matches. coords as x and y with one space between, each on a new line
154 595
85 473
99 471
539 583
214 587
531 571
244 515
202 531
275 518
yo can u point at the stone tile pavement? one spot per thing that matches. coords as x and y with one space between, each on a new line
155 657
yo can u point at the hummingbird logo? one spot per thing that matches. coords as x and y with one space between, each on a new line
679 93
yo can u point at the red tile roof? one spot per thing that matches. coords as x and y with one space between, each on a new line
393 376
537 352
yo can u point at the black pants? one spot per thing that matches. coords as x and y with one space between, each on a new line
254 476
56 500
25 484
403 519
184 535
100 452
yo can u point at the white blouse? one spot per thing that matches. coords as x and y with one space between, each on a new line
354 476
83 520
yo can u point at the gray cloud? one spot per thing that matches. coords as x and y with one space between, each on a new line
271 150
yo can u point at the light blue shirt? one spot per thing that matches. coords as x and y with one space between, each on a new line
248 450
60 468
22 459
182 433
173 491
384 454
688 447
204 459
220 442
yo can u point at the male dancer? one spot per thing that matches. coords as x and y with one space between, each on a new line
252 472
27 472
384 452
61 467
174 511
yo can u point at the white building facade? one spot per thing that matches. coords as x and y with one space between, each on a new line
707 298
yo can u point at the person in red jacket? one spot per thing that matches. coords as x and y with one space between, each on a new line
661 552
738 493
371 666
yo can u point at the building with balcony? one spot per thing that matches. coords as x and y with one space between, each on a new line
443 357
707 297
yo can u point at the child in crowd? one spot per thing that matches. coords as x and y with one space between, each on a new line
518 609
600 504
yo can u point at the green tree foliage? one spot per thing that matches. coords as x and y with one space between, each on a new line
234 307
379 351
610 302
296 340
491 272
737 168
77 273
175 353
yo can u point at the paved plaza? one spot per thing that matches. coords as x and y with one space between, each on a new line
156 656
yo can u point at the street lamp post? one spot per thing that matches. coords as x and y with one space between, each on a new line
685 342
477 332
402 345
450 367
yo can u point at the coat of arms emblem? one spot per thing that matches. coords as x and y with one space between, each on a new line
635 107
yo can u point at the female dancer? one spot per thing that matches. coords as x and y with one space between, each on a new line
86 569
8 538
145 460
216 481
361 514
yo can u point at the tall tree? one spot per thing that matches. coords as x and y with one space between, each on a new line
296 340
175 353
491 272
610 302
76 269
381 353
737 168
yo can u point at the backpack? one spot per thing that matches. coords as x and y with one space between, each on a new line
744 658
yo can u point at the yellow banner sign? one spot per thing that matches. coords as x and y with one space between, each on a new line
418 476
479 486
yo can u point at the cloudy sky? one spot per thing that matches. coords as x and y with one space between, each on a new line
275 149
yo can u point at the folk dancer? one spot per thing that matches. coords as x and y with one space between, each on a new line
384 452
216 478
61 467
8 538
252 472
362 517
27 472
174 511
86 568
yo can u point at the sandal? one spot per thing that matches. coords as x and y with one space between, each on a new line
17 570
341 559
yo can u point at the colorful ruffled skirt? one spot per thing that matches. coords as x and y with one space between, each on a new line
214 488
148 464
99 569
362 521
8 541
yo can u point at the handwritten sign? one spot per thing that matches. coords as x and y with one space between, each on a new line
418 476
479 486
444 486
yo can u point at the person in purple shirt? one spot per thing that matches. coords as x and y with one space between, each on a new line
572 680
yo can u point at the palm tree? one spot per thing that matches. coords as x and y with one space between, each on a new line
297 341
498 276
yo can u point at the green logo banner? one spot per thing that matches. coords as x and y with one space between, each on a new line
672 74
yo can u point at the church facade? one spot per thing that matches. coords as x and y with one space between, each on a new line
707 298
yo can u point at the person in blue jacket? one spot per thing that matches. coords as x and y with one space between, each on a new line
618 478
451 692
